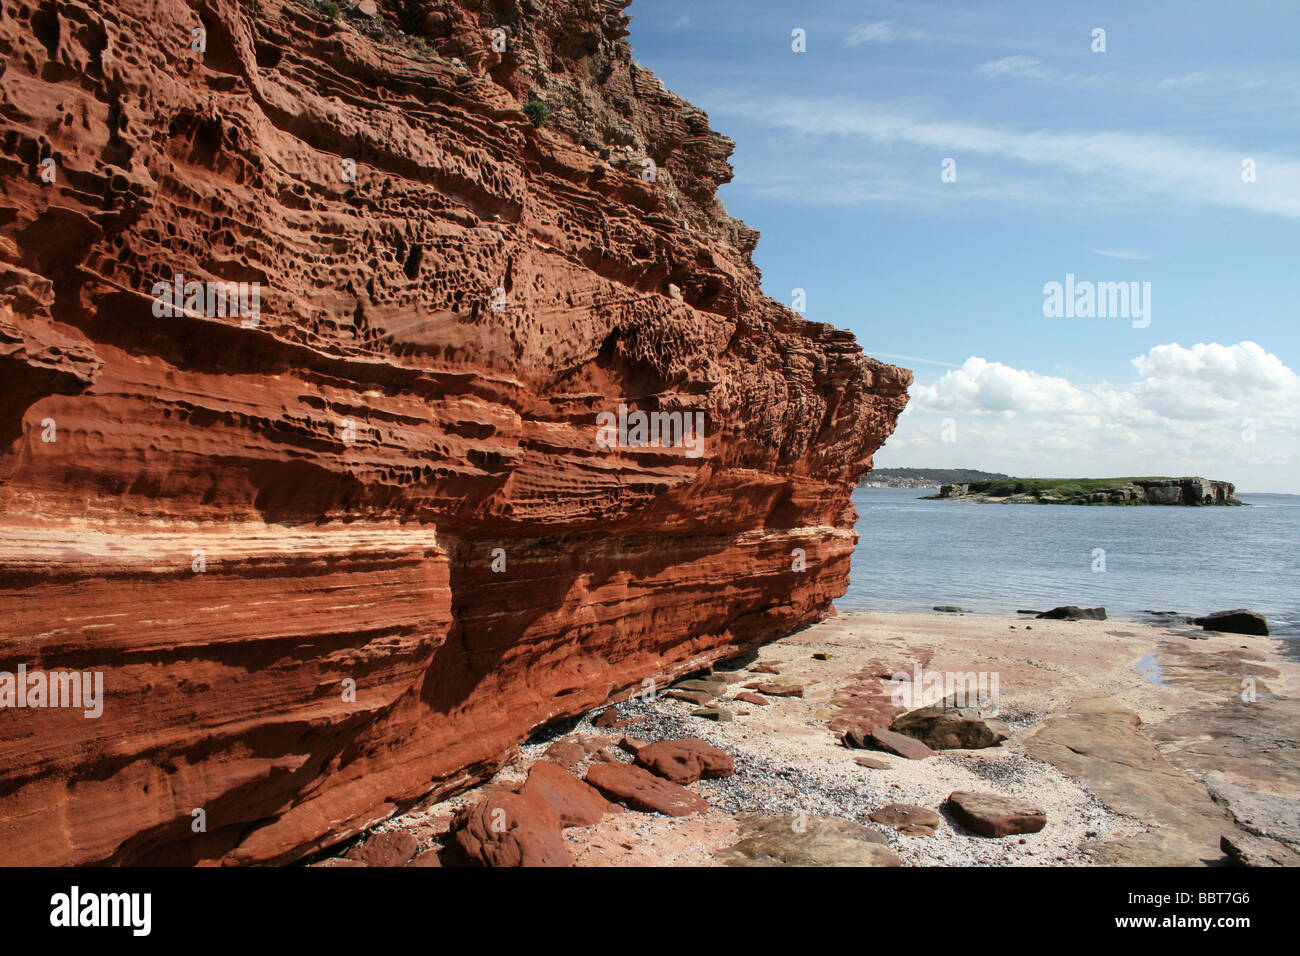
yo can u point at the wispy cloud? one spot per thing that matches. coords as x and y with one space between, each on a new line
1021 67
1137 166
882 31
1024 66
1179 82
909 358
682 22
1122 253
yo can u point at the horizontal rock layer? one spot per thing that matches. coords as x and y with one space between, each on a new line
344 550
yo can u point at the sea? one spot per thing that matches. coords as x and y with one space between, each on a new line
914 555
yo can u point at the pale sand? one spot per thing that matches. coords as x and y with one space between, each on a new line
789 761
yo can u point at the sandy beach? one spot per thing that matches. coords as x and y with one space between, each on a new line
1142 744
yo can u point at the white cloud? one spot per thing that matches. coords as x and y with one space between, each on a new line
983 386
1188 411
682 22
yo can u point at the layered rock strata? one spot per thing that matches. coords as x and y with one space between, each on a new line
339 526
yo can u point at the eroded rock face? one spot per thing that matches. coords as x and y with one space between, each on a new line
345 548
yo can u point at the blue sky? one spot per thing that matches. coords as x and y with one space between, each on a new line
1116 166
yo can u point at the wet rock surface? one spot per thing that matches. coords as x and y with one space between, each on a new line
1239 621
1071 612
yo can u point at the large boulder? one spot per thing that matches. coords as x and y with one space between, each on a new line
1238 621
945 726
686 760
1071 612
576 804
510 829
992 815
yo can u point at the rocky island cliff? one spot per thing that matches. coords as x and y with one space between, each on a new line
1095 491
306 329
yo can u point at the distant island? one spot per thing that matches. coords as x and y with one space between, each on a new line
925 477
1093 491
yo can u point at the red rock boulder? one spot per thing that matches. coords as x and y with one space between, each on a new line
642 790
686 760
576 804
511 829
992 815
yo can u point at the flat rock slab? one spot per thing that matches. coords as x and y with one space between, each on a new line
1243 849
710 687
777 690
992 815
685 760
888 741
713 713
764 669
749 698
700 697
641 790
1100 744
906 816
871 763
787 840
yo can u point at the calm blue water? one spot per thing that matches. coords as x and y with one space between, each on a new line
991 558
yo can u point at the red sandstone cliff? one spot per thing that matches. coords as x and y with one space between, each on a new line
348 465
